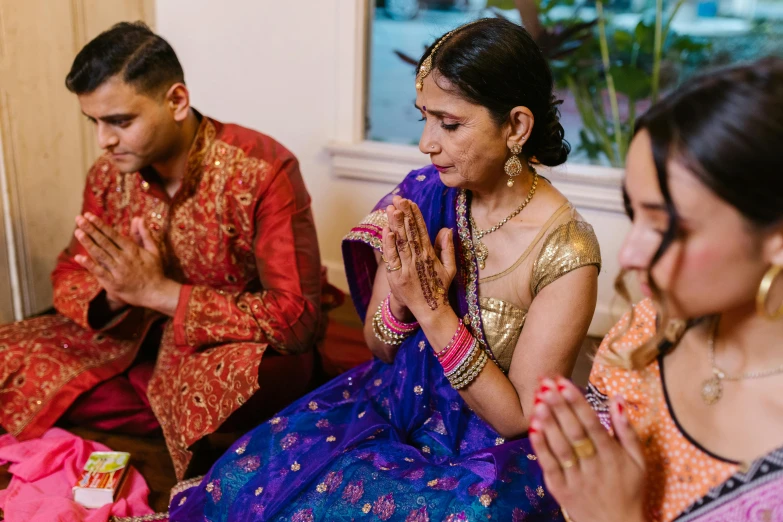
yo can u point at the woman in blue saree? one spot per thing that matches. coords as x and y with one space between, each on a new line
448 250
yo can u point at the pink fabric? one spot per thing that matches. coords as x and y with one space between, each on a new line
44 471
118 405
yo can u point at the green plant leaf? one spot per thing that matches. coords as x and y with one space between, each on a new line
631 81
623 41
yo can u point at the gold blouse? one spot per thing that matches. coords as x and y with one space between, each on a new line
570 246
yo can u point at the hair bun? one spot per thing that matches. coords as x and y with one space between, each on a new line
548 143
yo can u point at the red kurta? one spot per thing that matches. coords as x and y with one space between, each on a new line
238 234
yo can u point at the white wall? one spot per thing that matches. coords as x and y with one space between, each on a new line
272 65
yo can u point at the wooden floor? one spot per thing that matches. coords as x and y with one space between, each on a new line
151 458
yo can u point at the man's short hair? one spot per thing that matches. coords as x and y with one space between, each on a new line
141 58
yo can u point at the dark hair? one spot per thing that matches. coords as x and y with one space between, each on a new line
726 127
143 59
495 63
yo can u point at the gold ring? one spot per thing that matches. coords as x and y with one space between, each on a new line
584 448
390 269
570 463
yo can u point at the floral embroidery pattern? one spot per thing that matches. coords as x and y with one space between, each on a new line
384 507
353 492
418 515
289 441
304 515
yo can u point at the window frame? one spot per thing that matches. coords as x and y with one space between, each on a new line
354 157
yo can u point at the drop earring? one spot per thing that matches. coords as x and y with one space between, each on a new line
513 166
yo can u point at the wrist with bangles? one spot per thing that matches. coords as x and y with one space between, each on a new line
387 328
462 359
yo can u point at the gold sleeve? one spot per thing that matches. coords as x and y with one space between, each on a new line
570 246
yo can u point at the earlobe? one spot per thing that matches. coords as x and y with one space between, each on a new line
773 246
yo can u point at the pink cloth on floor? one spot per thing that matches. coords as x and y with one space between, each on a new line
44 471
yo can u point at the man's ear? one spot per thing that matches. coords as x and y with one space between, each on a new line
178 101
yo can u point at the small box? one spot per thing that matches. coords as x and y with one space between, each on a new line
101 478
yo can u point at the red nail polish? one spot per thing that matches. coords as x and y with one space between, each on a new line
531 430
620 408
537 400
560 387
544 388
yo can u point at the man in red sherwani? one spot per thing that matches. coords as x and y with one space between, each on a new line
193 281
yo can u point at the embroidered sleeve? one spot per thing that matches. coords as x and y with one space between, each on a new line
75 288
369 230
570 246
286 312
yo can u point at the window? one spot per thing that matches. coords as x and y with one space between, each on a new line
701 34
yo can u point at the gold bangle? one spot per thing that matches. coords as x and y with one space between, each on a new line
381 334
474 372
465 363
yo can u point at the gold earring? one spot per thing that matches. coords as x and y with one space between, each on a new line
513 166
763 293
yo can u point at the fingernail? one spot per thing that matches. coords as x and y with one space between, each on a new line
619 408
531 430
544 388
537 400
560 387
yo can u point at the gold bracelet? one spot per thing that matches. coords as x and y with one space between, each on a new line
470 376
381 334
473 373
464 369
465 363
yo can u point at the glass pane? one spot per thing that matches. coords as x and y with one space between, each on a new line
696 35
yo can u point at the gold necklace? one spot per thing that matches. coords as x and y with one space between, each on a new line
481 250
712 388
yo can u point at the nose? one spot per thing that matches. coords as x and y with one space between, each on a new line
428 144
107 138
638 249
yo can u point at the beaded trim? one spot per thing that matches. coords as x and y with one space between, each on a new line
470 271
143 518
185 485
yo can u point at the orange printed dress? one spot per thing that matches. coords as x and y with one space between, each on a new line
679 471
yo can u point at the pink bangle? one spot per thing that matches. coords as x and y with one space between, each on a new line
454 338
394 324
460 349
461 353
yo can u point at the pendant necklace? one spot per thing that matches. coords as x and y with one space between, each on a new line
712 388
481 250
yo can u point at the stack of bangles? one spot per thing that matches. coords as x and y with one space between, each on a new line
462 359
387 328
